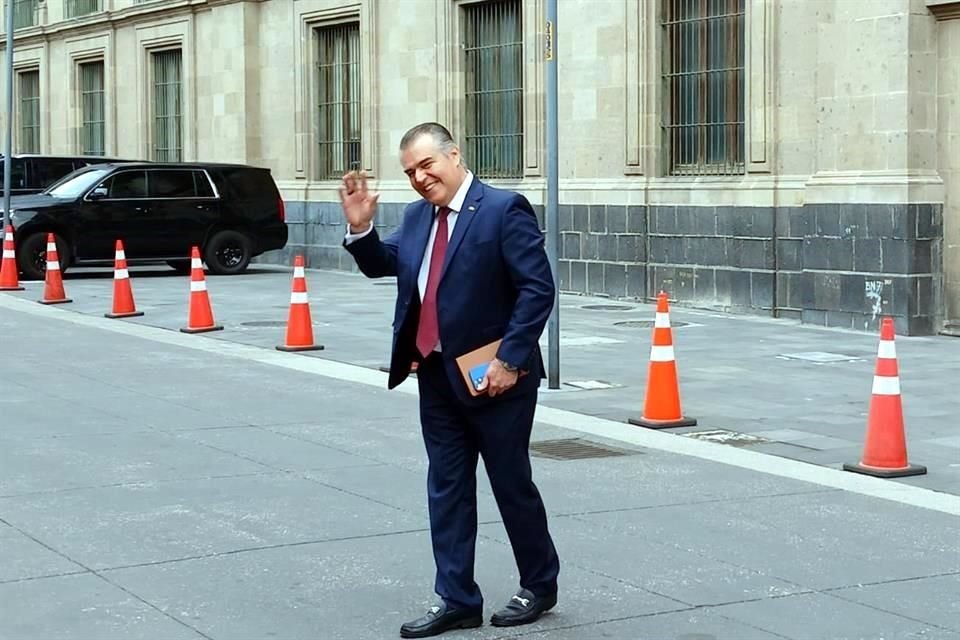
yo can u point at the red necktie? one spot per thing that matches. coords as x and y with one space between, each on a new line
428 331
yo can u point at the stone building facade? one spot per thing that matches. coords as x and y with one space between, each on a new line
796 158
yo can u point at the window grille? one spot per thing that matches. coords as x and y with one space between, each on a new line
703 86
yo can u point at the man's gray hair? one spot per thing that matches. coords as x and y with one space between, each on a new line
440 134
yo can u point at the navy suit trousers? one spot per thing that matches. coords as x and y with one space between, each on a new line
456 436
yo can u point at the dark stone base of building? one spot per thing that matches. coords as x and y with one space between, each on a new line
841 265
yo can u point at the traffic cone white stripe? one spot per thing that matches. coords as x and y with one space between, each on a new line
118 255
887 350
53 265
51 247
298 297
120 274
886 385
196 263
9 254
198 285
661 353
298 272
662 321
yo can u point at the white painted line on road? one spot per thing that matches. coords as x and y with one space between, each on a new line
638 436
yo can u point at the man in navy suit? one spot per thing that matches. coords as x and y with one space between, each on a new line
471 268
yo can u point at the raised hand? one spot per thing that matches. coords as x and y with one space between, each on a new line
359 205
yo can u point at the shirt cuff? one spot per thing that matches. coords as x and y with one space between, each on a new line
353 237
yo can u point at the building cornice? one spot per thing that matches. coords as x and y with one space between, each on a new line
96 22
944 9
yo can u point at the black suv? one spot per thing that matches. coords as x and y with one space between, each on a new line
232 212
32 173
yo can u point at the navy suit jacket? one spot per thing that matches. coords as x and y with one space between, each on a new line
496 283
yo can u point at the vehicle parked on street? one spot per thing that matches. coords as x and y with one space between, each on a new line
159 210
32 173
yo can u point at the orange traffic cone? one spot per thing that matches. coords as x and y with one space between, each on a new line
299 324
9 271
123 304
53 292
661 409
201 315
885 450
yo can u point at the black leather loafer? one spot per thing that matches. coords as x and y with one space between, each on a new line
523 608
439 619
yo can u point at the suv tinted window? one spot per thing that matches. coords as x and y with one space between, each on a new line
204 188
46 171
250 184
171 183
127 184
18 176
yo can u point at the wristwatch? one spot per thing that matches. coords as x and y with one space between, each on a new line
507 366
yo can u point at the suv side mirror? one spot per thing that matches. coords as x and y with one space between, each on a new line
98 194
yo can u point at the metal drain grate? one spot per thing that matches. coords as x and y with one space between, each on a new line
648 324
264 323
575 449
607 307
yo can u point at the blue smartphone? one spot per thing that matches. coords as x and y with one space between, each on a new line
477 373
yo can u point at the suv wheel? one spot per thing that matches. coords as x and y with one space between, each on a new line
32 256
228 253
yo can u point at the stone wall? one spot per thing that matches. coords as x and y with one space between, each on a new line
840 265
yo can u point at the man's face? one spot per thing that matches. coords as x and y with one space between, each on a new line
433 174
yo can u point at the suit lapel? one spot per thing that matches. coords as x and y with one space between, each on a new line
421 235
471 205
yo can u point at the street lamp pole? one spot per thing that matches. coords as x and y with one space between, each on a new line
8 143
552 212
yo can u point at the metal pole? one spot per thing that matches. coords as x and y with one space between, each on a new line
552 213
8 144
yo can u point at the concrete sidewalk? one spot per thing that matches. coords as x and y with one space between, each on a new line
159 485
767 385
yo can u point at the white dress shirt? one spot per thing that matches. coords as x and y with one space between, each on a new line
455 206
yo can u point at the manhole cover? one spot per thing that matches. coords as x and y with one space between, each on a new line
575 449
648 324
724 436
820 357
264 323
607 307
